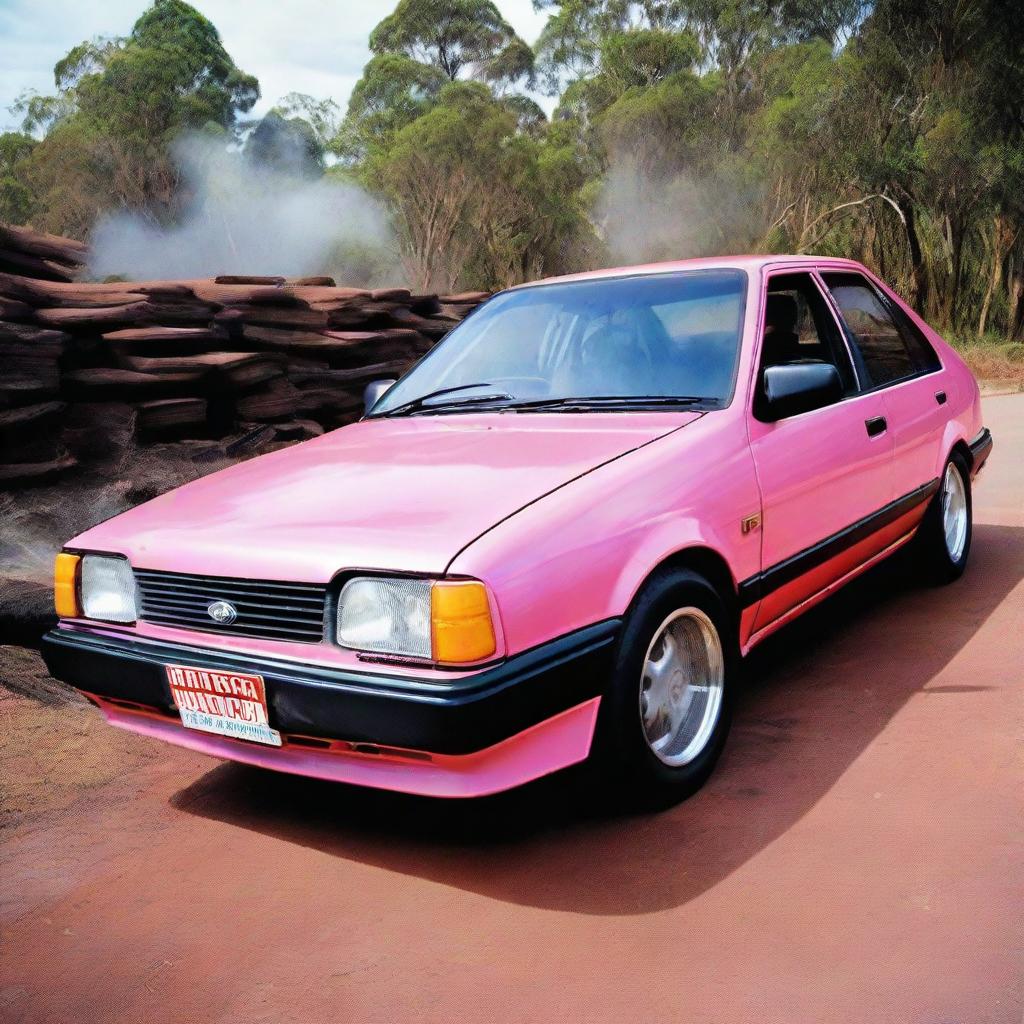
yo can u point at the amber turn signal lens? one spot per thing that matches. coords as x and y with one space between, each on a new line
460 619
65 586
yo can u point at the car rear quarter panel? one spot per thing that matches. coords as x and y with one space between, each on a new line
580 555
964 396
965 417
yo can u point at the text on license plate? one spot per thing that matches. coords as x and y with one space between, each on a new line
227 703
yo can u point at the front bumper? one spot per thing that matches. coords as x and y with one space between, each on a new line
528 716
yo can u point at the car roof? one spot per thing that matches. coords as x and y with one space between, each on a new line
749 263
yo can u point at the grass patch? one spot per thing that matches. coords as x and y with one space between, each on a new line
993 359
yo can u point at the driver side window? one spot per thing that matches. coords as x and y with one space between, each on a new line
799 328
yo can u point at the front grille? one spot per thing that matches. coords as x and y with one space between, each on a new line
265 608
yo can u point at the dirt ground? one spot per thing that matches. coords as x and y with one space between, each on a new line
859 855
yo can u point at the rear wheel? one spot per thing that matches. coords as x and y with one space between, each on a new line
666 712
943 540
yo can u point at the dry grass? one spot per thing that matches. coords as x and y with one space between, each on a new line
993 360
57 749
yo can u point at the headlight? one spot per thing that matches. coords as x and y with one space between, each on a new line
390 616
439 620
108 589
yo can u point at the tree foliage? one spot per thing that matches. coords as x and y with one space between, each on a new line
16 201
120 105
393 91
455 36
887 130
286 145
475 197
323 116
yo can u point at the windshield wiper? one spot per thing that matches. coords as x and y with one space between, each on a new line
507 402
611 402
423 401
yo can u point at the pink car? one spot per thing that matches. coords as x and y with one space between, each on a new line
551 541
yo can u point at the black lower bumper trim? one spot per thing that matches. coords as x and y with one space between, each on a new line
981 449
456 716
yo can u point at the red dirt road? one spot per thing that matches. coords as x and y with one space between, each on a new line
857 857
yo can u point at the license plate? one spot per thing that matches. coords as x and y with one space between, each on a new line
227 703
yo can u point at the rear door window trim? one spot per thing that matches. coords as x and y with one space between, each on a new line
888 305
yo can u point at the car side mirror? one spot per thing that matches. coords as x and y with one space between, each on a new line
375 391
792 388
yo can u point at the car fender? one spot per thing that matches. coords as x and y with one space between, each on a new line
669 541
580 554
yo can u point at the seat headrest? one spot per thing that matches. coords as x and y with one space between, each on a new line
609 339
781 313
609 335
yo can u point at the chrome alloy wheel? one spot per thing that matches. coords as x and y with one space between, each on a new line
954 512
682 686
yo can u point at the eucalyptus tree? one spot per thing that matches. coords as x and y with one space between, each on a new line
289 146
476 198
393 91
322 115
417 49
119 106
462 38
16 200
930 97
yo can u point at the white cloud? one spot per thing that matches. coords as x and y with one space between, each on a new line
313 46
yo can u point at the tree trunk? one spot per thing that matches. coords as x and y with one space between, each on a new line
1015 325
919 299
996 277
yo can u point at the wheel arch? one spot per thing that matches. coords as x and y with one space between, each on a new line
964 449
954 439
707 562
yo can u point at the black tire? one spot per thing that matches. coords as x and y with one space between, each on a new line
621 754
931 550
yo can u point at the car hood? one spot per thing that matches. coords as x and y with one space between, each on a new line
401 494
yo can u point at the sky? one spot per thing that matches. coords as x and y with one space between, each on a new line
311 46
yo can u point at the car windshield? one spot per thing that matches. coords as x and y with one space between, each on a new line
658 339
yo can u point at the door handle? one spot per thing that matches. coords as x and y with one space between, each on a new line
876 425
940 397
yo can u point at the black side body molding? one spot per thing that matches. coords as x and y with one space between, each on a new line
756 587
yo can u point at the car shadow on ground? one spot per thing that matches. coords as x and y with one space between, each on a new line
816 695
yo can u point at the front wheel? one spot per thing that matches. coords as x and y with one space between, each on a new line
943 540
666 713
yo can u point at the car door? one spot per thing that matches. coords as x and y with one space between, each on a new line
823 474
896 359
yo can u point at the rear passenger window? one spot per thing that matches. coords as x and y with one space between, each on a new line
921 352
889 345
